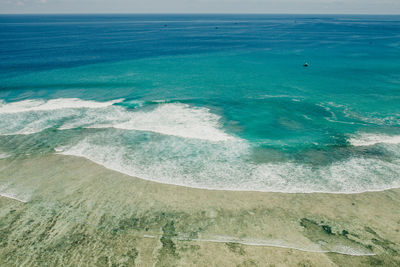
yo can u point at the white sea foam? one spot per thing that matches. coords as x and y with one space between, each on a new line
371 118
12 196
4 155
53 104
32 116
223 166
180 144
7 191
368 139
341 249
179 120
32 122
167 159
170 119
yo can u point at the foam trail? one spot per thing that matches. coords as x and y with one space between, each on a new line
11 196
179 144
178 120
6 192
53 104
170 119
223 166
367 139
32 116
275 243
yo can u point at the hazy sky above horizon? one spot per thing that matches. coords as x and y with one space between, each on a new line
202 6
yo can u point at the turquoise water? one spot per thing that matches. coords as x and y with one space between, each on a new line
209 101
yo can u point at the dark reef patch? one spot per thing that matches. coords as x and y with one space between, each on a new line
235 248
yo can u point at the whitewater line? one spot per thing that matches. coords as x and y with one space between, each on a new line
227 189
263 243
13 198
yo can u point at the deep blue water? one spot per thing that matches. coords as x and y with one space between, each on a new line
209 101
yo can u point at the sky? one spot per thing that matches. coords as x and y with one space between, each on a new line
202 6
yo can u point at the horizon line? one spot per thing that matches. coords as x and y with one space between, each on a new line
204 13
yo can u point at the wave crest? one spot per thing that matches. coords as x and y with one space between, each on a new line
32 116
225 166
52 104
368 139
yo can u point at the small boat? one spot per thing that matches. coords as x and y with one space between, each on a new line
305 64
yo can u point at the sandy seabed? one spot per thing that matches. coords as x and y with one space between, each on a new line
60 210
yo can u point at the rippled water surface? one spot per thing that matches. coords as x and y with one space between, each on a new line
209 101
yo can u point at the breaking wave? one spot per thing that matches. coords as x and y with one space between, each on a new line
32 116
224 166
368 139
180 144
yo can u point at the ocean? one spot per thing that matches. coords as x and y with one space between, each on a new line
208 101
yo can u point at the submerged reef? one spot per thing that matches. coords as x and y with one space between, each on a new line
92 216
